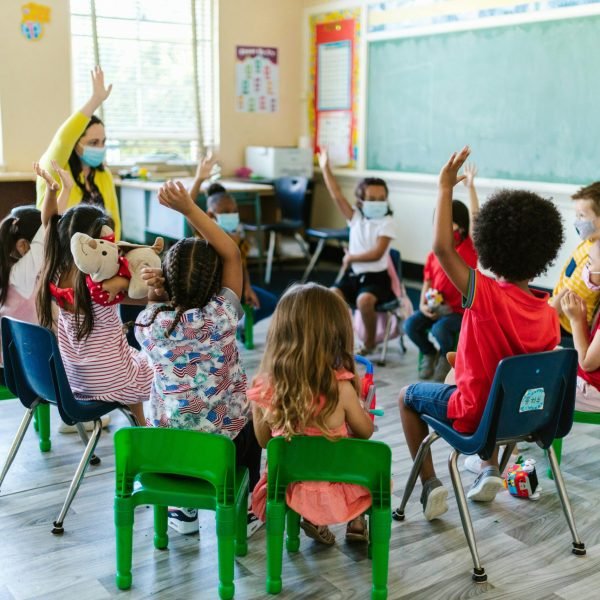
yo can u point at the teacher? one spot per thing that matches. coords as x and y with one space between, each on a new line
79 146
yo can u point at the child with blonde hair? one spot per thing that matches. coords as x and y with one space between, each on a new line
307 385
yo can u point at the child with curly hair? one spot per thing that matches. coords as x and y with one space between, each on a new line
503 317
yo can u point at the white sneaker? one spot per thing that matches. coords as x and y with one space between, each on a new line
254 523
89 425
523 446
473 463
486 485
183 520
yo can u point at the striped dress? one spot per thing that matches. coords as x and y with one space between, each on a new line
103 366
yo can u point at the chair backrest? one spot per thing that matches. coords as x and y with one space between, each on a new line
397 261
206 456
531 394
315 458
33 366
294 202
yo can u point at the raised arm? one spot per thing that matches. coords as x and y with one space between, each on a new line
203 171
66 186
49 206
470 173
99 92
443 237
175 196
333 188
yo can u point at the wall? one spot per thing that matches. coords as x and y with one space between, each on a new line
35 83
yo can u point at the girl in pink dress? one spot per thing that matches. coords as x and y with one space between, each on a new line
307 385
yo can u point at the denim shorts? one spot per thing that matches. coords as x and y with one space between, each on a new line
430 399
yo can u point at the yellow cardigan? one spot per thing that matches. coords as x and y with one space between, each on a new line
59 150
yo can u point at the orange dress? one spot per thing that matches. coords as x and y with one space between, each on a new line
320 502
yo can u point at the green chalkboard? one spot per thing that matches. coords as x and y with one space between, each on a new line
525 97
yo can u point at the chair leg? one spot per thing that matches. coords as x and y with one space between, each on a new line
313 260
292 538
248 326
161 523
124 539
303 245
414 473
14 448
225 518
270 255
557 446
130 416
76 482
402 344
479 575
275 526
386 337
578 545
241 523
42 416
94 460
506 453
380 530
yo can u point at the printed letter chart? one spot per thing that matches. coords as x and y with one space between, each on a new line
257 79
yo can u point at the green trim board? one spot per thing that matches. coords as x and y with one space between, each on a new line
524 96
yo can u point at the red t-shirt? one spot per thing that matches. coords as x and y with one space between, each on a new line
501 320
439 280
592 377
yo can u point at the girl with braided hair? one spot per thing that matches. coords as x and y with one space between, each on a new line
199 383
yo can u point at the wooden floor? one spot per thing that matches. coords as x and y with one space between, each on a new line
525 546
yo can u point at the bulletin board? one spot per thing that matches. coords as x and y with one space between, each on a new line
333 105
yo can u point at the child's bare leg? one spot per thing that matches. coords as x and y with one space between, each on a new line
492 462
366 305
138 413
415 431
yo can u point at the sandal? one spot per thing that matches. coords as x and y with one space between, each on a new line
319 533
357 530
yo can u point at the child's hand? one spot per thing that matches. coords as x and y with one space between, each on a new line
574 307
449 174
99 91
424 308
205 166
324 159
175 196
156 282
470 173
115 285
65 176
250 298
50 181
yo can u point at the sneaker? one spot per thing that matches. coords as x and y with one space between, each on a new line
426 365
183 520
442 368
473 463
434 499
523 446
89 425
254 523
487 484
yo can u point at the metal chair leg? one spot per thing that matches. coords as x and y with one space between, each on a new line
479 575
130 416
313 260
508 450
94 460
270 255
414 473
578 546
303 245
14 448
386 337
76 482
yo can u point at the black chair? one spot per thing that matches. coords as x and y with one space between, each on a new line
292 194
532 399
341 236
35 373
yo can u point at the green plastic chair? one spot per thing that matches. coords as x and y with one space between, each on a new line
314 458
173 467
248 326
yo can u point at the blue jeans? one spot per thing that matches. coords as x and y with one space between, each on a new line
430 399
444 330
267 301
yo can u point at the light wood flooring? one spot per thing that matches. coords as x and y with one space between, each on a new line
525 546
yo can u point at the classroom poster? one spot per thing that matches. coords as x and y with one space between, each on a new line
257 79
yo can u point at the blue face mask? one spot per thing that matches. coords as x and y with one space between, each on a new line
375 209
229 222
92 156
584 228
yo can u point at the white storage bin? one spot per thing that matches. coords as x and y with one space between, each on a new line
274 162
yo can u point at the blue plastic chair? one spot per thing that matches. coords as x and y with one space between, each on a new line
34 372
549 376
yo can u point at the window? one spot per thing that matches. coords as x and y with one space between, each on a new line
160 56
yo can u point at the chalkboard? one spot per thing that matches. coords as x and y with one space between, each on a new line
525 97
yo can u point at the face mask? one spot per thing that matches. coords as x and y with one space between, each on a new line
92 156
229 222
584 228
375 209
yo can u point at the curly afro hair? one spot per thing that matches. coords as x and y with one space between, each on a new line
518 234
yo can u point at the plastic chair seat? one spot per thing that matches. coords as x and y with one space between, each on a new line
283 226
328 233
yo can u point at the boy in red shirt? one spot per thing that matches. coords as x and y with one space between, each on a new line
517 235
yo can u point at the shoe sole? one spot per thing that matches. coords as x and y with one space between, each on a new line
486 490
184 527
437 503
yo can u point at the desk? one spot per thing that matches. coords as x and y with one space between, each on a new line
142 215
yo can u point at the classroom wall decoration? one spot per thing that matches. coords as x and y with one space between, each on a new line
333 103
33 18
257 79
